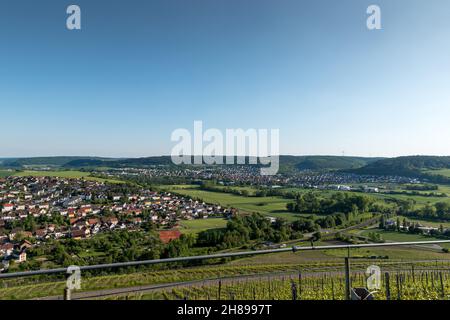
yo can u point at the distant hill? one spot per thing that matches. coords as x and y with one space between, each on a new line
115 163
2 160
320 163
40 161
287 163
410 166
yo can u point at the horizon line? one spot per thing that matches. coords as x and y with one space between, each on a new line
163 155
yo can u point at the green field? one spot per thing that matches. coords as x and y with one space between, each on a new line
420 200
199 225
69 174
426 223
270 206
5 173
276 206
442 172
32 288
398 236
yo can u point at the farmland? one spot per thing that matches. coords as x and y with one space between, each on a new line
425 223
275 206
422 285
199 225
249 199
5 173
69 174
314 280
442 172
270 206
399 236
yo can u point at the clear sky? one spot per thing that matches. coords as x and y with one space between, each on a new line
140 69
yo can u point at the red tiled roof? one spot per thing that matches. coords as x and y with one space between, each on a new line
169 235
92 221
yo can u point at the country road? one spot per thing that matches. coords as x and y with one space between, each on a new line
331 232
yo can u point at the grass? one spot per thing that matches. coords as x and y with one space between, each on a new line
393 253
425 223
444 189
419 199
276 206
31 288
442 172
5 173
398 236
270 206
285 258
69 174
24 289
199 225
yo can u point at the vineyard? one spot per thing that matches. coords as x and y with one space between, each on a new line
406 285
28 288
272 281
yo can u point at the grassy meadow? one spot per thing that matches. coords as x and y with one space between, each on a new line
276 206
69 174
442 172
199 225
5 173
270 206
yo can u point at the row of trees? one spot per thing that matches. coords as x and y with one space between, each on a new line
412 227
338 219
31 223
436 211
422 187
259 192
240 230
312 203
212 186
117 246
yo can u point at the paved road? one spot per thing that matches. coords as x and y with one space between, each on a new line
331 232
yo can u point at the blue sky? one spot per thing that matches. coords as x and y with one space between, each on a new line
140 69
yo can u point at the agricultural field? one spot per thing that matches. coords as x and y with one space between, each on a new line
322 279
270 206
393 236
419 199
28 289
425 223
442 172
69 174
5 173
401 285
317 256
199 225
277 205
444 189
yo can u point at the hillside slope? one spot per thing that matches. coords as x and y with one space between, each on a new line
410 166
